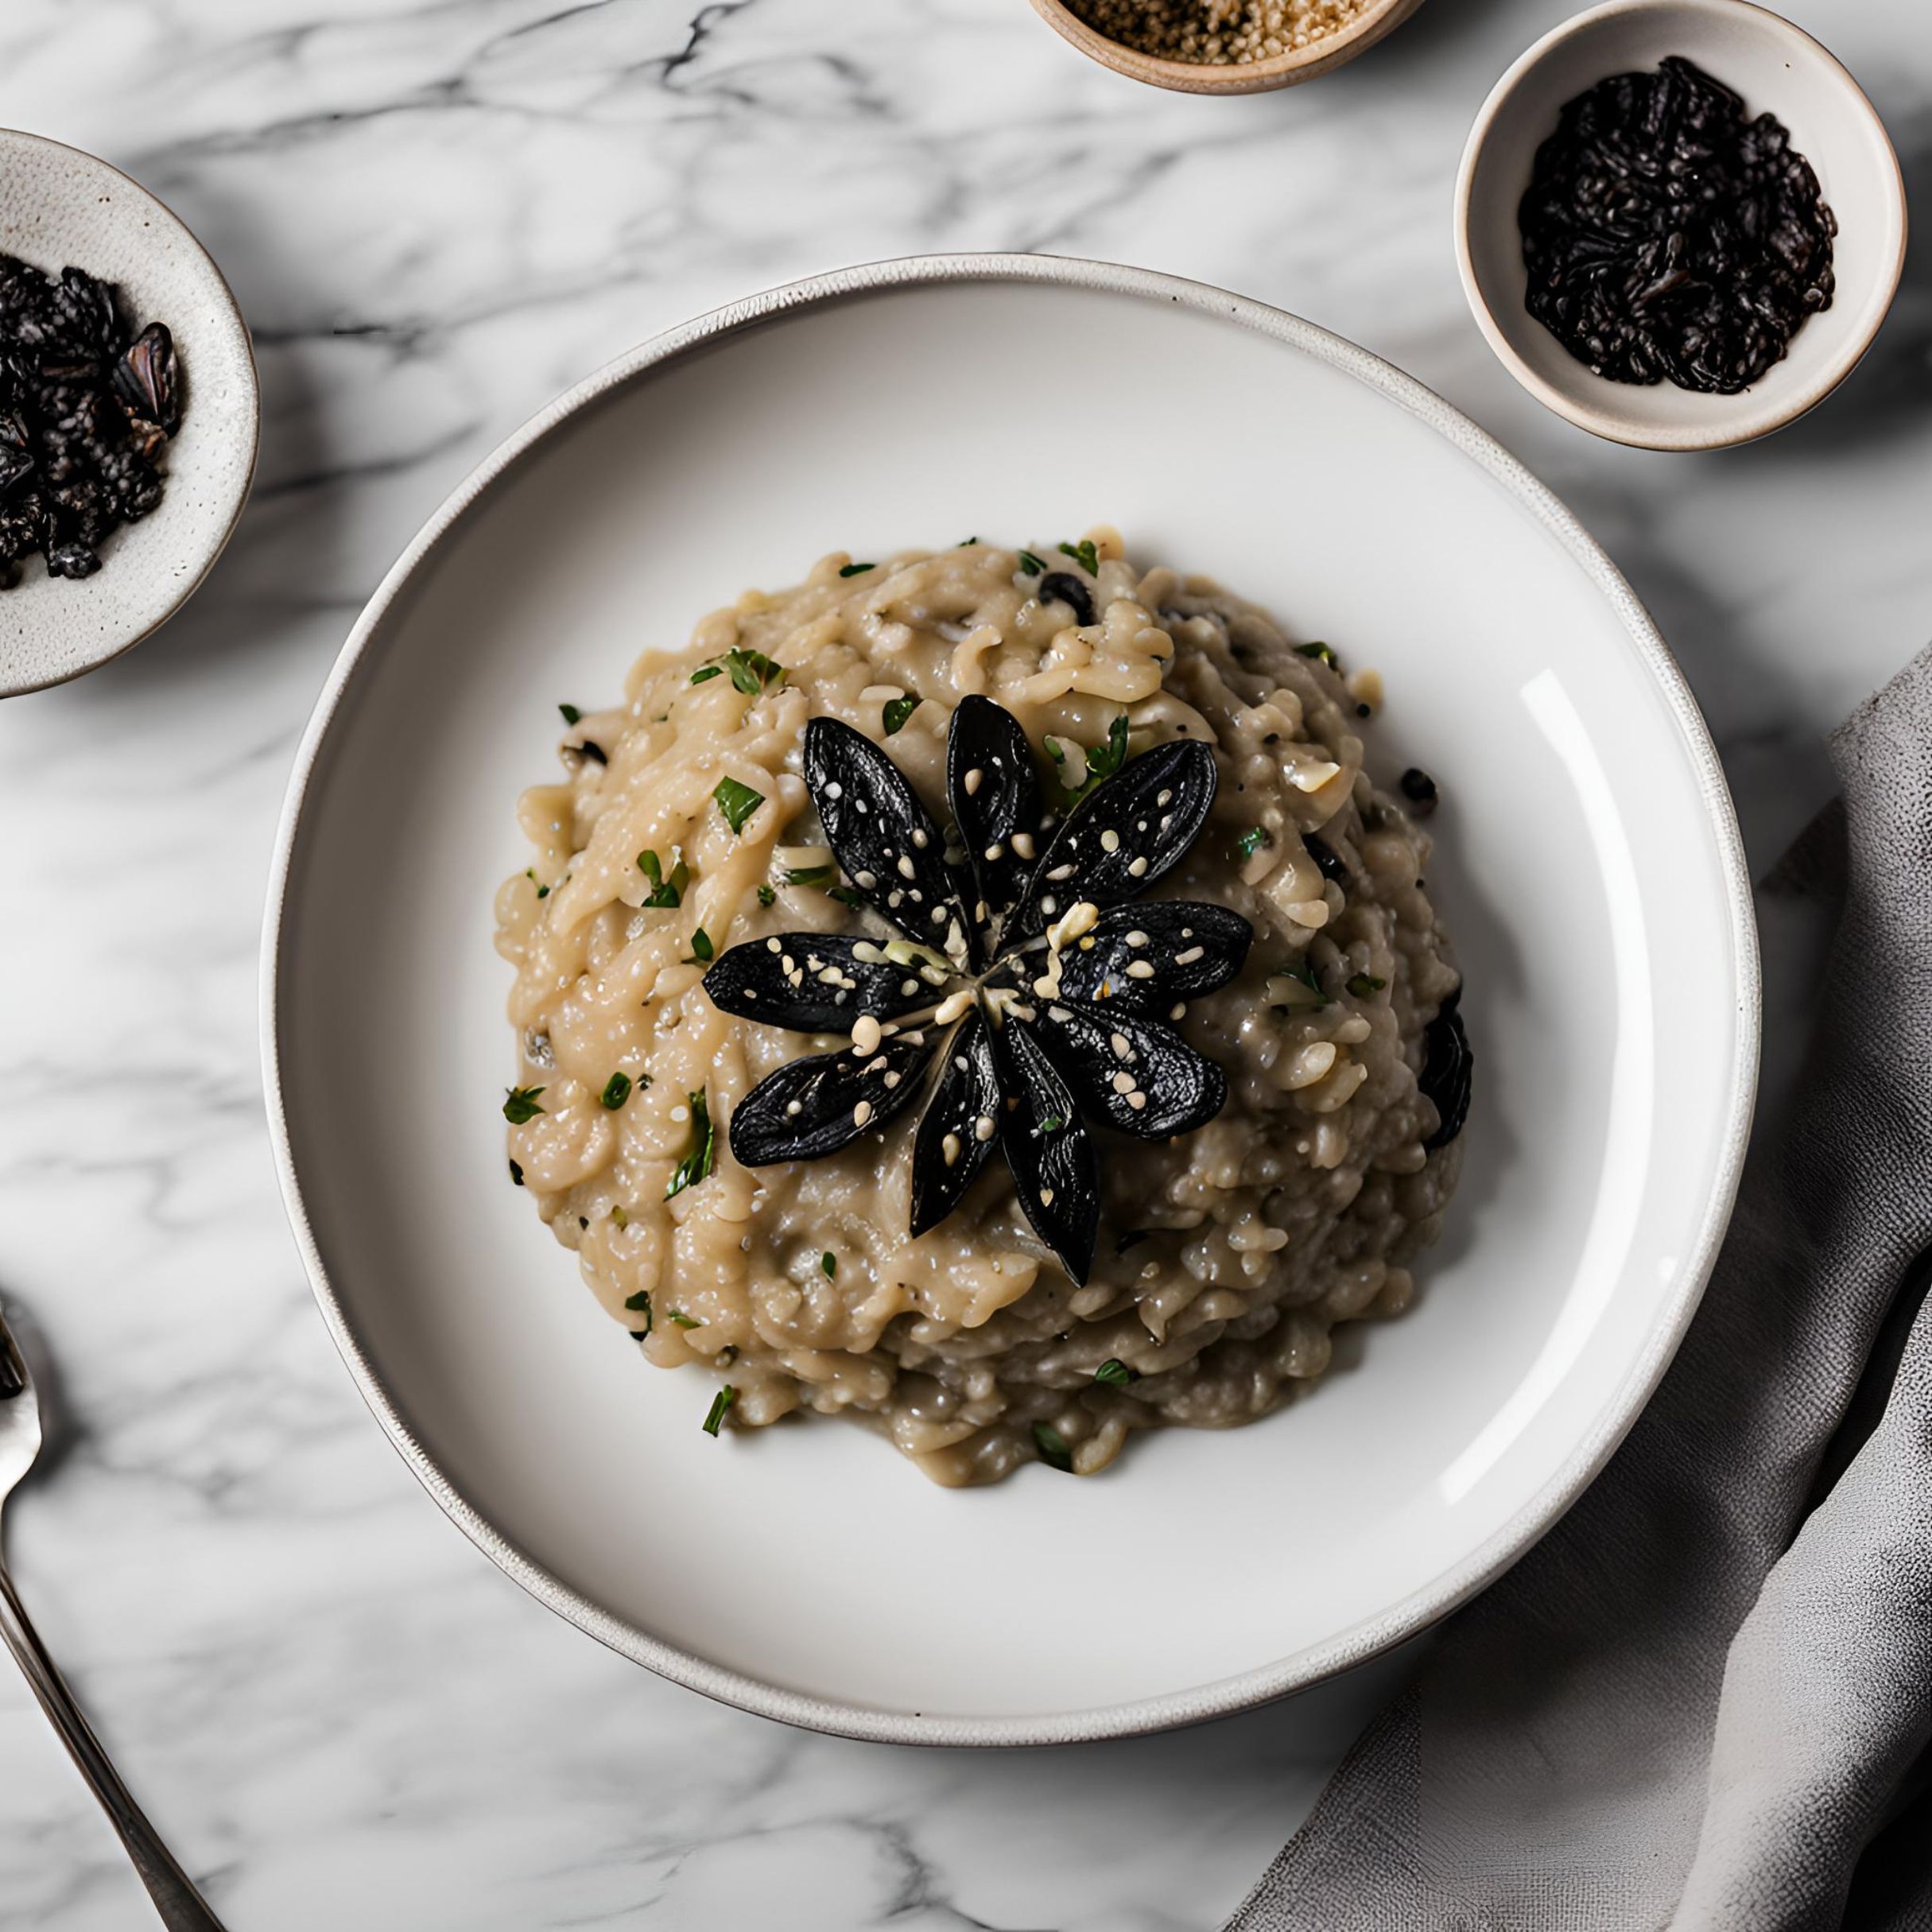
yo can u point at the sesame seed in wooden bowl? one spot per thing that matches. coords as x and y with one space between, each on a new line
1223 46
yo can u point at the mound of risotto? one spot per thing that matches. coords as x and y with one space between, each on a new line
982 994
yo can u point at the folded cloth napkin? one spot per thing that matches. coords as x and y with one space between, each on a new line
1703 1701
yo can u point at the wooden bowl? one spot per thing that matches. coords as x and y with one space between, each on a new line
1377 18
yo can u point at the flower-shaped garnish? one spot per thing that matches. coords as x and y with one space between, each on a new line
1022 995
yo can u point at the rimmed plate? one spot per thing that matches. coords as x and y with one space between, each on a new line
1587 857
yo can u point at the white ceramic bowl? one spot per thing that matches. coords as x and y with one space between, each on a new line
1776 66
58 206
1586 858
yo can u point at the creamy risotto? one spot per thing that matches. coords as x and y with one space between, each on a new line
983 994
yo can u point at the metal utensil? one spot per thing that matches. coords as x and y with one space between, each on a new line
181 1905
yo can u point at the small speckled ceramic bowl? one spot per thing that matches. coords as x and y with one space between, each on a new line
1776 69
1377 18
58 206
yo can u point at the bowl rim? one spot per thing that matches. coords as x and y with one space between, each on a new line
186 586
362 652
1736 419
1378 17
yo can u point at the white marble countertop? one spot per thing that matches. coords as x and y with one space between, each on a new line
435 216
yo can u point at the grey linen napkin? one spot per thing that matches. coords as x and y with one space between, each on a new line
1703 1701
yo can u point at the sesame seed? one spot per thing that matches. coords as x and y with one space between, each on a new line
862 1113
973 780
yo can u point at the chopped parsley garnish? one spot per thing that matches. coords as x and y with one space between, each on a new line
856 570
751 670
697 1164
543 892
828 1261
522 1105
616 1090
736 802
639 1304
1251 841
966 543
619 1216
684 1320
1103 760
810 875
701 946
1302 975
707 670
1362 984
1031 564
571 714
720 1403
1052 1447
845 896
1051 1124
516 1175
1115 1374
1321 651
897 711
1083 554
767 895
664 891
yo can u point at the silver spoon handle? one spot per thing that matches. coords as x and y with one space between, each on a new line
182 1907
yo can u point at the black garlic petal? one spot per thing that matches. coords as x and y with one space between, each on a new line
883 837
1055 1174
1063 586
995 794
1448 1066
1139 1076
817 1105
1126 835
1142 958
958 1128
147 378
819 982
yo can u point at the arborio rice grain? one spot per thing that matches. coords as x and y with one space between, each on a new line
1225 1257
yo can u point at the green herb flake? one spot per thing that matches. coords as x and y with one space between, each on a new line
701 946
720 1404
1031 564
767 895
1303 974
616 1090
522 1105
829 1262
706 671
571 714
516 1175
751 670
1320 652
1115 1374
856 570
845 896
1362 984
736 802
697 1164
664 891
966 543
684 1320
1083 554
897 711
1052 1447
810 875
639 1304
619 1216
1051 1124
1251 841
1103 760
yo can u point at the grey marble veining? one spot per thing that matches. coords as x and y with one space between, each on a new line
435 216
